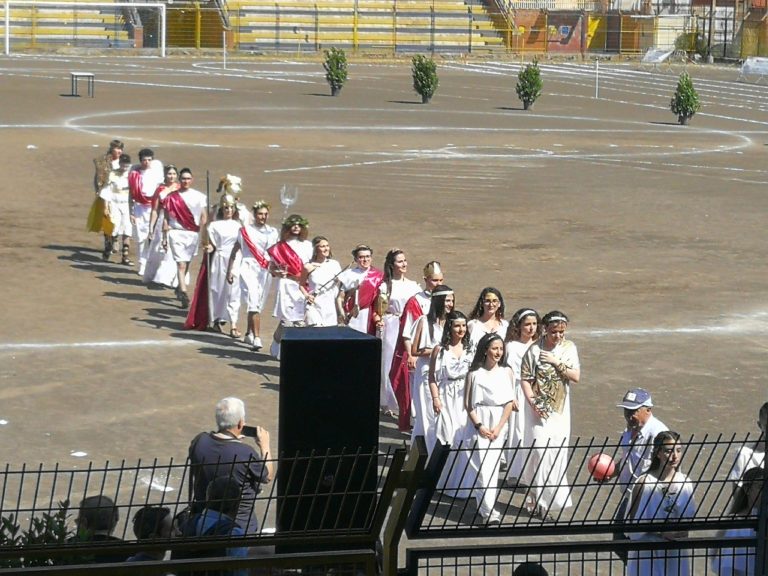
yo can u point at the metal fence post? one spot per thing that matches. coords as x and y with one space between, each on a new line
761 559
198 25
432 28
469 29
394 27
355 24
401 504
277 26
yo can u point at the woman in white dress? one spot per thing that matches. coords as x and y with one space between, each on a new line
524 329
549 368
751 456
448 368
394 292
427 333
225 296
662 493
322 285
487 317
161 268
746 499
489 400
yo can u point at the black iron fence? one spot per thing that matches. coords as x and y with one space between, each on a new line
347 513
581 530
706 462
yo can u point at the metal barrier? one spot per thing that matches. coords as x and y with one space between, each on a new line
410 496
37 528
446 508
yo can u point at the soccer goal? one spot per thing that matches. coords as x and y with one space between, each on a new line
33 24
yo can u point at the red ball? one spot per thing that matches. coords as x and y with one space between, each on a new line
601 466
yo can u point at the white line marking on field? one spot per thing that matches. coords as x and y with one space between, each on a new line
153 85
109 344
345 165
705 330
754 324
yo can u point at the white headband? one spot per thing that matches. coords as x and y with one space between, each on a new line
557 319
442 293
525 313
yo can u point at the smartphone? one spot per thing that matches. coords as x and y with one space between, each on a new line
249 431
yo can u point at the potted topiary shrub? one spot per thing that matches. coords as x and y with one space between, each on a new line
685 103
335 69
529 84
425 81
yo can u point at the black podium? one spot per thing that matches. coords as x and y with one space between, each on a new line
328 429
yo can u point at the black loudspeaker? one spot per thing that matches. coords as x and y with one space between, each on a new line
328 429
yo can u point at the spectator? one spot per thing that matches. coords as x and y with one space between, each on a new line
530 569
96 521
665 495
636 443
751 456
746 498
225 453
151 523
217 518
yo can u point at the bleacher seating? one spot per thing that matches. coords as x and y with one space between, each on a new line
75 25
402 25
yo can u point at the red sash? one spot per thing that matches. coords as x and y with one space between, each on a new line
399 374
263 262
369 288
177 209
162 188
285 257
135 184
367 291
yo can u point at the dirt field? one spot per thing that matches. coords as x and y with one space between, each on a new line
651 236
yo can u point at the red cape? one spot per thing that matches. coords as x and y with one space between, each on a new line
399 374
283 255
199 315
134 185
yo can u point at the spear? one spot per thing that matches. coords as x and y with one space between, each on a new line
208 254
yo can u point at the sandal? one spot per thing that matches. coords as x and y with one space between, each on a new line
235 333
107 248
217 327
126 261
